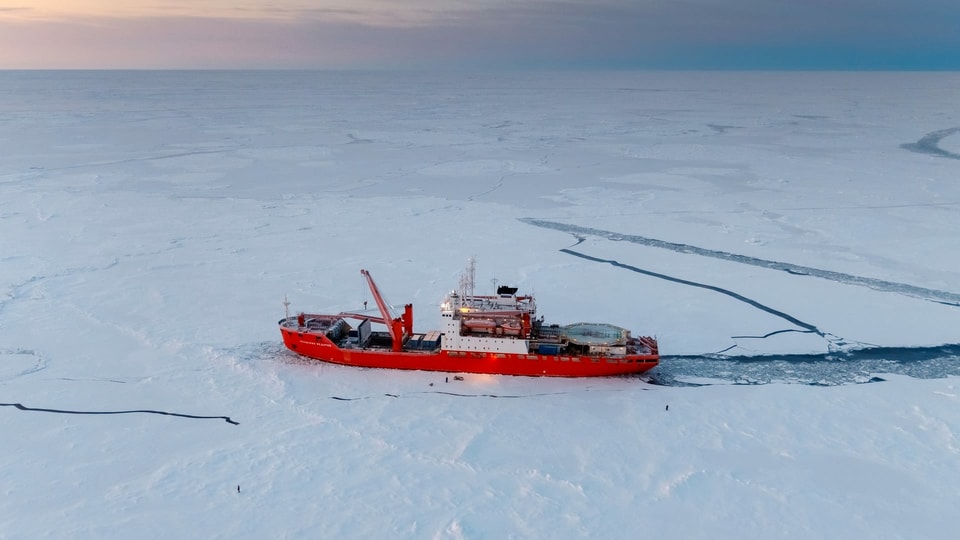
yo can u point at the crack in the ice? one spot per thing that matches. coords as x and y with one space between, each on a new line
14 290
737 296
72 379
497 186
934 295
358 140
23 407
160 157
40 362
720 128
765 336
720 352
457 394
504 396
930 144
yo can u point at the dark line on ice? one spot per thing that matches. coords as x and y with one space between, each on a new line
734 346
23 407
497 186
930 144
473 395
765 336
454 394
504 396
145 158
942 297
731 294
87 380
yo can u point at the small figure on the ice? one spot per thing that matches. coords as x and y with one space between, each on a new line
668 408
238 488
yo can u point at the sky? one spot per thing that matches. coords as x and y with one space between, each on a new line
479 34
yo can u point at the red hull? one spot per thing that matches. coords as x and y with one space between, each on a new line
316 345
495 334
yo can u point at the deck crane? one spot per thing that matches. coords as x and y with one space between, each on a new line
399 327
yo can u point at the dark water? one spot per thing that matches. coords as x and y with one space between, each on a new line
848 367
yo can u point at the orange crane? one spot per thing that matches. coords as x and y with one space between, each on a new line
399 327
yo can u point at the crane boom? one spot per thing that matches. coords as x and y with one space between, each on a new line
395 325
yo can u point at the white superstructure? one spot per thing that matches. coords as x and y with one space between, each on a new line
498 323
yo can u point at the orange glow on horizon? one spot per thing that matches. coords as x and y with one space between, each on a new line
372 12
57 9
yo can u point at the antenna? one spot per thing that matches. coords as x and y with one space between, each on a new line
494 281
467 278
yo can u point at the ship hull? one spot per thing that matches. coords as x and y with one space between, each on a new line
315 345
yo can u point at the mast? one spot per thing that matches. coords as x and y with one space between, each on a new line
467 278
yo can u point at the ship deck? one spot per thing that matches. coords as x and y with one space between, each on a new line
581 339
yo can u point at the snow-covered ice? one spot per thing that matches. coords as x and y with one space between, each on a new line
152 222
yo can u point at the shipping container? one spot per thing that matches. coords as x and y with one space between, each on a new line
549 348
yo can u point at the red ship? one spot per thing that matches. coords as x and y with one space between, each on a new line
497 334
